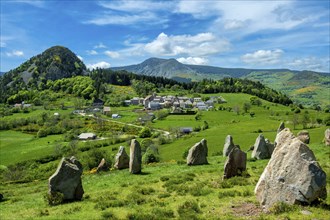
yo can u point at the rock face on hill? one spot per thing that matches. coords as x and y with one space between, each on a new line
122 159
235 163
67 179
292 174
228 146
197 154
304 136
262 149
135 157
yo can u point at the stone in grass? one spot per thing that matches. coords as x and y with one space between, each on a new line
67 180
292 175
304 136
235 163
197 154
263 149
228 146
327 137
122 159
103 166
135 157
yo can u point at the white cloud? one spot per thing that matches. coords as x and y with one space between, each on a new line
198 45
91 52
263 57
80 58
234 24
15 53
100 45
251 15
3 44
127 19
193 60
101 65
309 63
136 6
112 54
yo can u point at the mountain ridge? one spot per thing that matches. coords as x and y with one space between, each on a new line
309 87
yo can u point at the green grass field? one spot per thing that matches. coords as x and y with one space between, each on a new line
167 189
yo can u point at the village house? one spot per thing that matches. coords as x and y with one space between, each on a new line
87 136
135 101
106 110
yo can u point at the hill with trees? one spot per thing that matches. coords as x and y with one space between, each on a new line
54 63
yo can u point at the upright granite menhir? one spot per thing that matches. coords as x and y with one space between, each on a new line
67 179
292 174
197 154
135 157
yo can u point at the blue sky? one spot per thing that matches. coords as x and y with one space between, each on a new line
249 34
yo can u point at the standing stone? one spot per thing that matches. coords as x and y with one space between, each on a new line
103 166
270 146
135 157
67 179
235 163
304 136
292 174
197 154
260 150
228 146
281 127
122 159
327 137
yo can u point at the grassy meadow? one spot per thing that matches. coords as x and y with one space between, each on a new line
169 189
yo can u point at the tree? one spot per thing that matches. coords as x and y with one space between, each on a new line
246 107
295 121
305 119
236 109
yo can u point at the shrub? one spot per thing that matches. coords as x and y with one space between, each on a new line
282 207
108 215
54 198
188 210
150 156
145 133
185 153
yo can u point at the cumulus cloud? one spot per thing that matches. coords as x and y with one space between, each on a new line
193 60
100 45
198 45
101 65
234 24
3 44
91 52
80 58
112 54
308 63
263 57
15 53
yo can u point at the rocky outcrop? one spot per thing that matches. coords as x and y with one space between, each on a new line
122 159
292 174
67 179
197 154
327 137
135 157
235 163
103 166
304 136
262 149
228 146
